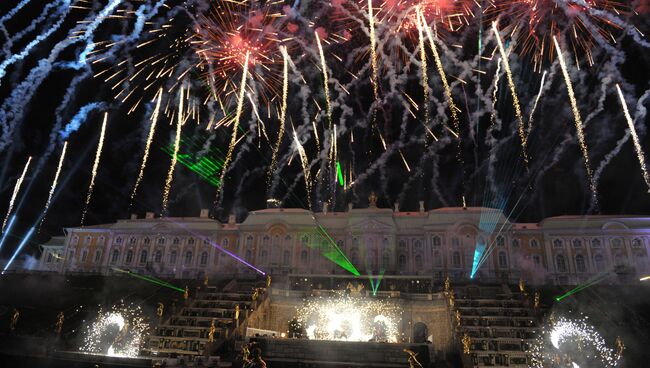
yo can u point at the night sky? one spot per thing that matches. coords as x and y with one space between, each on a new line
554 184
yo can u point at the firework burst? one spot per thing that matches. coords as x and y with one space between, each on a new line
119 331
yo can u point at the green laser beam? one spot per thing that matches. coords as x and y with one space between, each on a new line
339 173
595 280
150 279
207 165
337 254
375 286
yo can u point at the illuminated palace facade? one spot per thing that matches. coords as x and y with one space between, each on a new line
436 243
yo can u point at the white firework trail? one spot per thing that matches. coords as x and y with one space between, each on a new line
172 166
305 166
152 130
98 155
55 181
425 76
577 119
12 201
635 138
233 138
373 51
532 111
326 87
283 110
513 92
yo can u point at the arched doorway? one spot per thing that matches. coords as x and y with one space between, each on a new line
420 333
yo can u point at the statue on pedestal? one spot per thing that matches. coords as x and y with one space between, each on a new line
213 329
237 312
205 281
268 281
160 311
59 323
536 302
372 200
14 319
186 293
467 343
620 346
447 285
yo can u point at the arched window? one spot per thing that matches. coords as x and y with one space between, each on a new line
599 261
116 255
580 263
143 256
537 260
161 241
286 258
98 256
75 240
132 240
617 243
384 243
636 243
557 243
224 242
385 260
534 243
515 243
204 258
304 240
340 244
595 243
418 261
455 259
249 241
157 257
248 255
402 244
49 258
84 255
276 240
263 256
304 256
176 241
206 241
287 240
188 257
190 241
88 240
437 259
401 261
501 242
503 260
118 240
266 240
172 257
618 259
418 245
147 241
561 263
436 241
455 241
101 240
129 257
577 243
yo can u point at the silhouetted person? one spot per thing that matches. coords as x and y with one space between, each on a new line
256 361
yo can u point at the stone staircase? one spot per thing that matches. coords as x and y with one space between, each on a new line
186 332
500 325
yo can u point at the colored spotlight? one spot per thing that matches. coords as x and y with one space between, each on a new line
20 247
644 278
7 230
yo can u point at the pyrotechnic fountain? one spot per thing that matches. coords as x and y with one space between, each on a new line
117 332
345 318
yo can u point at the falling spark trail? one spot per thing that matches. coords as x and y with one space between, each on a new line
532 111
152 130
577 119
635 138
233 139
513 92
326 87
305 166
373 51
283 111
436 57
404 160
177 143
98 155
493 114
425 76
55 181
12 201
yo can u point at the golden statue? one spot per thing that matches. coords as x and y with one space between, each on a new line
256 293
237 312
412 359
246 354
186 293
213 329
355 291
160 310
452 299
268 281
14 319
458 317
467 343
372 200
536 302
205 281
620 346
522 285
447 284
59 322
